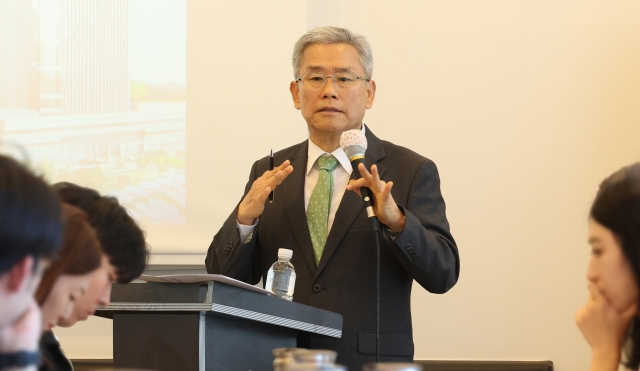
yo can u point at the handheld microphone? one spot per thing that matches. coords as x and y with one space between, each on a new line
354 144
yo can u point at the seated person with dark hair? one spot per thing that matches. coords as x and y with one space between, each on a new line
66 281
610 321
125 252
30 234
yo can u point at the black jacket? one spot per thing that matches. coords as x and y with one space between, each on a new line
53 358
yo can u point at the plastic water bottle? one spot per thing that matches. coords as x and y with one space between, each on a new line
281 279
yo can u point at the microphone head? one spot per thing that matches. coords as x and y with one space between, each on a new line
354 143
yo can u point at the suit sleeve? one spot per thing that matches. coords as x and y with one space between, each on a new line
227 255
426 247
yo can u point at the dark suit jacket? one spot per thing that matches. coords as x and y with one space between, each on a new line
344 281
53 358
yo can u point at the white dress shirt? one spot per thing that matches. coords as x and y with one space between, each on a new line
341 175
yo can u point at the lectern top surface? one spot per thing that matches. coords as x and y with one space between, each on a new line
201 278
217 298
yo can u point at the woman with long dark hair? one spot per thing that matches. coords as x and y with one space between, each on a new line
609 321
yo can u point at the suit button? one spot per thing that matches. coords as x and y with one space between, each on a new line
317 287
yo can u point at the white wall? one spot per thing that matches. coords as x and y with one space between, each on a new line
524 106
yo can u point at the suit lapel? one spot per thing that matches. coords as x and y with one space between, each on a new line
351 204
293 187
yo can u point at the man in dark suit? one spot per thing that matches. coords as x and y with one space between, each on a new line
336 262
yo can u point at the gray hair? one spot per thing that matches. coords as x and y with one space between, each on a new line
333 35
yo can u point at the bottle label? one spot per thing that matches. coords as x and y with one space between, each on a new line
281 281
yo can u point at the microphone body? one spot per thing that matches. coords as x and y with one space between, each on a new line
354 144
367 196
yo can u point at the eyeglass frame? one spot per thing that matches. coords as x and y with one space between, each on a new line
358 78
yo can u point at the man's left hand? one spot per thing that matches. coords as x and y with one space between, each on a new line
386 208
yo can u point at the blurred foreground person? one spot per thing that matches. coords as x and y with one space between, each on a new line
30 234
125 252
65 281
609 321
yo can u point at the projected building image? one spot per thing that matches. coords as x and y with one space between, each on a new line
95 97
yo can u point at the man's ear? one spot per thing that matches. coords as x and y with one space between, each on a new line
371 94
295 94
19 274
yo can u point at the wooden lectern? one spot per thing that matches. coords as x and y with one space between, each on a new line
206 326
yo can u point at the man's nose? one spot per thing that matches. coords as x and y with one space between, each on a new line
329 88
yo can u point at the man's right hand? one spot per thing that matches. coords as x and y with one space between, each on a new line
24 334
252 205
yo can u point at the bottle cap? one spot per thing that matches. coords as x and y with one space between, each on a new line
285 253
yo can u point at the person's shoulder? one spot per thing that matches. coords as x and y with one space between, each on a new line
48 338
282 155
53 358
289 153
407 156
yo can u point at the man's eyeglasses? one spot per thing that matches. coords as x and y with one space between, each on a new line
344 80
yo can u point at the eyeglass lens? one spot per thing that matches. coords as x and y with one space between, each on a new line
341 79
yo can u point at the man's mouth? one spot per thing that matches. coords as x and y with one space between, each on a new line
329 109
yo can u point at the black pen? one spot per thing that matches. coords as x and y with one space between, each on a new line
271 168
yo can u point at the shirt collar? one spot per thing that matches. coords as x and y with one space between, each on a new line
314 152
